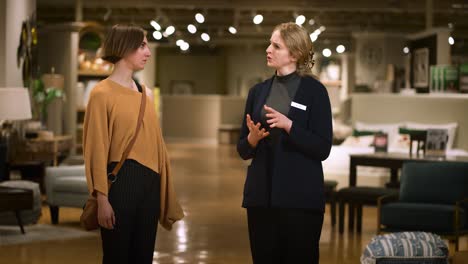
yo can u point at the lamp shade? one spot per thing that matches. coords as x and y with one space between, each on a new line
14 104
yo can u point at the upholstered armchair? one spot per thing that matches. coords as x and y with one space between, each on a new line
433 197
65 186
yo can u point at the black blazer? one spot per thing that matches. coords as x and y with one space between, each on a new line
291 175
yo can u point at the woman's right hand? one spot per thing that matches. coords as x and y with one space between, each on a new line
106 216
255 133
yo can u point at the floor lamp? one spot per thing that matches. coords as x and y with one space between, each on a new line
14 105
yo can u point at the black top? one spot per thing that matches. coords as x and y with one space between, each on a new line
140 89
282 92
289 175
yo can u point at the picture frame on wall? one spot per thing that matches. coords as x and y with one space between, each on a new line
421 68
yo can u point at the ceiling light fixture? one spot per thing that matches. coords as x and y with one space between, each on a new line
451 40
184 46
157 35
313 37
232 30
340 49
199 18
179 42
300 20
258 19
155 25
326 52
170 30
192 29
205 37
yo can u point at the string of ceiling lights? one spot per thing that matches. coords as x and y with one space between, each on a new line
257 19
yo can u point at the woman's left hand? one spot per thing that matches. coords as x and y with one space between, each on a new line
277 119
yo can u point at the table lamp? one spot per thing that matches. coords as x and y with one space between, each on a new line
14 105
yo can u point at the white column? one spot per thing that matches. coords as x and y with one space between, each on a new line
14 13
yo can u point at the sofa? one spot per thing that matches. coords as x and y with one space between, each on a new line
433 198
65 187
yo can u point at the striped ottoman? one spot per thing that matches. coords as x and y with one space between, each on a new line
406 248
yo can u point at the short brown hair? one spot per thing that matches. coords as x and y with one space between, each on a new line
299 44
121 40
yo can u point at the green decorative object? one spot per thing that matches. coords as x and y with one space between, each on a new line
90 41
26 54
464 78
42 97
444 78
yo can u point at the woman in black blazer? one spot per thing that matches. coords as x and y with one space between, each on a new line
287 132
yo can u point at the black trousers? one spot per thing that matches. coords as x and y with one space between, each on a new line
283 236
134 197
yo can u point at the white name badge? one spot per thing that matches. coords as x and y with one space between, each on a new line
299 106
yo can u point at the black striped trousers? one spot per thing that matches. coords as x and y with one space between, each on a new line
134 197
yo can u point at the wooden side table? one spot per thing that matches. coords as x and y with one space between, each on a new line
31 156
42 150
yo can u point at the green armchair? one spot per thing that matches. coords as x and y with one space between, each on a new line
433 198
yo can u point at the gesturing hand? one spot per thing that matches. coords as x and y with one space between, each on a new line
255 133
277 119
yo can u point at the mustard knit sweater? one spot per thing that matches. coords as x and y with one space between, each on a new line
110 123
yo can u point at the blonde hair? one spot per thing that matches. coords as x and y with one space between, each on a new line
299 44
122 40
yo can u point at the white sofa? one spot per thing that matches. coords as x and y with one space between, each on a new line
65 187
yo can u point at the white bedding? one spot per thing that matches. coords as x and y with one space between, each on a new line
336 167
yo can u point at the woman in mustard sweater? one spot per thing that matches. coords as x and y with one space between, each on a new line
142 191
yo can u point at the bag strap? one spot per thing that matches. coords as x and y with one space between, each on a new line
132 142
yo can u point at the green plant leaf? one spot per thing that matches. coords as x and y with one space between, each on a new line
51 94
38 86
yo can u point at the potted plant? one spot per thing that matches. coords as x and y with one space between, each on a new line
42 97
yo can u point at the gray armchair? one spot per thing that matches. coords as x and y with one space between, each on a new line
65 186
433 198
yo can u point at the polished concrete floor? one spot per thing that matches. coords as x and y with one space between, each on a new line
209 181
